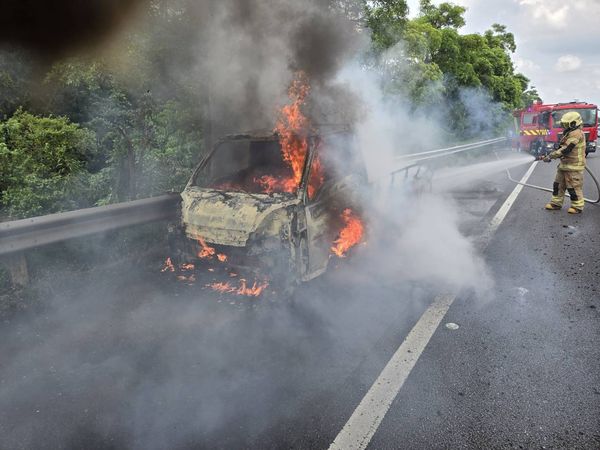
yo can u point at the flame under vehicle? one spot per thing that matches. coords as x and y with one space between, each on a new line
274 205
539 129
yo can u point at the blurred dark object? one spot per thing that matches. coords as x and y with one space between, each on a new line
53 28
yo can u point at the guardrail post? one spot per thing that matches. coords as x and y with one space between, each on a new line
16 264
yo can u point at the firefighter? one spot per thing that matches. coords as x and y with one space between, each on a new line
569 175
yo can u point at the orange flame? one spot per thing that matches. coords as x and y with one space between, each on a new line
292 127
243 289
207 252
350 235
316 178
168 266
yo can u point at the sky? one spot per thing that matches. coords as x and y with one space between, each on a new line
558 42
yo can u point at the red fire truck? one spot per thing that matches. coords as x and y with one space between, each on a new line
539 128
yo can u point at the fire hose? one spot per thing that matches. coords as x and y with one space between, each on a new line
541 188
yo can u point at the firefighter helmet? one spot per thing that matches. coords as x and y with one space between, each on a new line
572 119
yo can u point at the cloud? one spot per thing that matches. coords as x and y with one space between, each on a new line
525 65
549 12
568 63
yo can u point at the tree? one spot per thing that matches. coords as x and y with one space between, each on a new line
498 37
133 125
446 15
386 20
43 162
15 81
433 63
529 93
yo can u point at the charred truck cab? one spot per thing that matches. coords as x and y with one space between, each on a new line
253 208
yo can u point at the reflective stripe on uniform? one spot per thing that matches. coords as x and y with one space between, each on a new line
572 167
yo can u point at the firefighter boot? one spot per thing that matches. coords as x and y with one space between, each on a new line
552 207
558 192
572 210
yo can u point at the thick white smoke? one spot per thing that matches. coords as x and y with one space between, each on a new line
414 232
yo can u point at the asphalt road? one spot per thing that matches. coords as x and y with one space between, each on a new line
127 357
523 369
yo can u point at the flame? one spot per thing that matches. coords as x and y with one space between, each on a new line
350 235
243 289
168 266
207 252
317 177
292 127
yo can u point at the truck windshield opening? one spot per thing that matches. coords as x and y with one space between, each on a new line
246 166
528 118
589 116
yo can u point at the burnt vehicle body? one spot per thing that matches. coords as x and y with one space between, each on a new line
247 205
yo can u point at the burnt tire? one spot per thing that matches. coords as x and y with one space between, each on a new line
302 259
285 278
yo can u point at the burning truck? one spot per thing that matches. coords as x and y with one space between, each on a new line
272 207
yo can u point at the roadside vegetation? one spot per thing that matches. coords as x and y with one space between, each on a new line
88 131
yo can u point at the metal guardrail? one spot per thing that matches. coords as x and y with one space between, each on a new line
423 156
24 234
407 162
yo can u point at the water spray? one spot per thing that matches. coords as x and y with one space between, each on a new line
541 188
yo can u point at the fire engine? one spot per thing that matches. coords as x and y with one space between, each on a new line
539 129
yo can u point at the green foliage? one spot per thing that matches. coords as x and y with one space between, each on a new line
430 62
386 20
177 144
15 70
146 146
100 131
446 15
43 160
529 94
422 40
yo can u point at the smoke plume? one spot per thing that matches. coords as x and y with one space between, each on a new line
248 52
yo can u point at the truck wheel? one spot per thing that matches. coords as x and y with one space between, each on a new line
286 278
302 258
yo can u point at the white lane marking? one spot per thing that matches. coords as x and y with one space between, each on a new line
363 424
368 415
504 209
